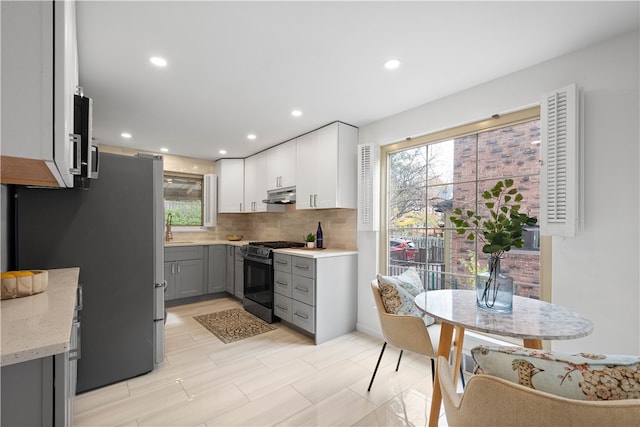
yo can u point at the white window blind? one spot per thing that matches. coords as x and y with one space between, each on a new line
368 191
559 172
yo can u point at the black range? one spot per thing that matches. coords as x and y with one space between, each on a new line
258 277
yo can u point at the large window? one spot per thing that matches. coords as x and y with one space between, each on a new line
183 199
427 178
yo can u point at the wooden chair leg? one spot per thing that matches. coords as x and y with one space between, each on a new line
398 365
377 364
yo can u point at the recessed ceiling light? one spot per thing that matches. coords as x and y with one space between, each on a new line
222 151
158 62
164 150
251 136
391 64
126 135
296 113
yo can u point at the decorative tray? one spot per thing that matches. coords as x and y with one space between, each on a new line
17 284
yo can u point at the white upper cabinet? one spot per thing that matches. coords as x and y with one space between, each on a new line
326 165
230 185
37 91
281 165
255 171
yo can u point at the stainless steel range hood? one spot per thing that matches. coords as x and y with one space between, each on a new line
281 196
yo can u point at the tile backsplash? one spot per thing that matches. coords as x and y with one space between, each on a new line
338 226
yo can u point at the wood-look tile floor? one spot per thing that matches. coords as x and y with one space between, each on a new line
279 378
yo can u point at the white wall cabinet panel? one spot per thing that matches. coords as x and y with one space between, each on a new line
230 185
326 168
36 125
255 171
281 165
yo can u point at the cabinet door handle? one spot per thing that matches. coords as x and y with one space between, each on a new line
279 261
240 207
310 200
302 266
75 140
282 308
302 289
173 268
301 315
315 200
278 282
178 268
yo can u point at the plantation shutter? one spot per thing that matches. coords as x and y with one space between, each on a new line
368 219
559 172
210 200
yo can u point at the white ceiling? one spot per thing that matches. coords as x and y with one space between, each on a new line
239 67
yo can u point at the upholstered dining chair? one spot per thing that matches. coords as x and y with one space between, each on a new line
494 402
403 332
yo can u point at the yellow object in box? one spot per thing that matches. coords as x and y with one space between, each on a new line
16 284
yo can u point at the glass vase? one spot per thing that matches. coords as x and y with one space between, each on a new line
494 288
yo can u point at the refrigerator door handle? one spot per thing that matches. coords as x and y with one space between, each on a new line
79 297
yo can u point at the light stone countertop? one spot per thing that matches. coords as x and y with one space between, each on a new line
40 325
315 253
178 243
307 253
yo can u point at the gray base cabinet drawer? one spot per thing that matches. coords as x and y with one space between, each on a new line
282 307
183 253
303 290
282 283
303 267
282 263
303 316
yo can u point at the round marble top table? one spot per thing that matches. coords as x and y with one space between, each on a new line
531 319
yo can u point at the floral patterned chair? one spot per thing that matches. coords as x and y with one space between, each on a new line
489 400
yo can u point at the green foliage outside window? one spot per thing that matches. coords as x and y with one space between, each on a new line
183 199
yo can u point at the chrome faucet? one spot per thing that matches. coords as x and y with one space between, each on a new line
169 235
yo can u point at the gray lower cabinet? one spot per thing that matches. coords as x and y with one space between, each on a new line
170 278
231 269
184 271
38 392
217 278
238 278
317 295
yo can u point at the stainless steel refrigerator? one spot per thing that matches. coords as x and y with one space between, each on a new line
114 232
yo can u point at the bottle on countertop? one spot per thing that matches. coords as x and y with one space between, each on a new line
319 237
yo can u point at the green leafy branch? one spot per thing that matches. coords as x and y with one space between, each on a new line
505 226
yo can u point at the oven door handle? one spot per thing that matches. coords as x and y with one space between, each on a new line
258 260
